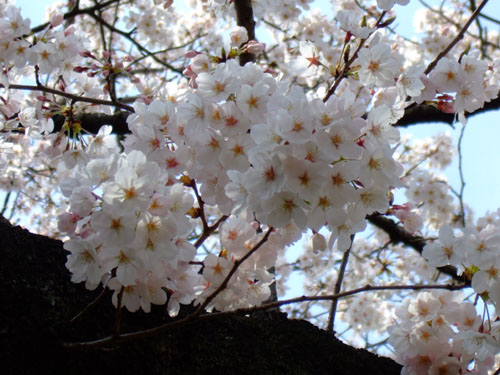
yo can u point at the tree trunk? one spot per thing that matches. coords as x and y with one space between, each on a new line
38 301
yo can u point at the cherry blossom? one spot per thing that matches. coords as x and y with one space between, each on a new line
178 176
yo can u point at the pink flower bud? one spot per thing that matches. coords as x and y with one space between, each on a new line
146 99
56 19
80 69
192 83
255 47
446 107
43 98
86 54
188 72
191 53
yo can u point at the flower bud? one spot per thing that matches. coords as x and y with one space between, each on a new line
56 19
191 53
255 47
318 242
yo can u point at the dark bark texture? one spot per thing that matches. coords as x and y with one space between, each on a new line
244 17
38 300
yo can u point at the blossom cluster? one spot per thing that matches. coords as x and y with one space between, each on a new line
220 174
440 333
267 153
474 251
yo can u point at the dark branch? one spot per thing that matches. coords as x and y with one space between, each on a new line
73 97
91 122
413 116
244 16
75 11
138 45
459 37
422 113
397 234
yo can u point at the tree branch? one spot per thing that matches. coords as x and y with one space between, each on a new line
192 318
397 234
73 97
235 267
244 17
138 45
423 113
91 122
459 36
338 286
75 11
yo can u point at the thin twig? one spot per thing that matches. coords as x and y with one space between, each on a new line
76 98
75 11
192 318
207 229
349 63
480 29
138 45
89 306
457 25
210 229
116 331
462 180
5 203
459 36
491 19
235 267
201 204
338 286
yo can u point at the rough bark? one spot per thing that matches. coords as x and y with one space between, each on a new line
38 300
244 17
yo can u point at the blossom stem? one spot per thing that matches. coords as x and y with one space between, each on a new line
89 306
209 230
342 74
138 45
237 263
